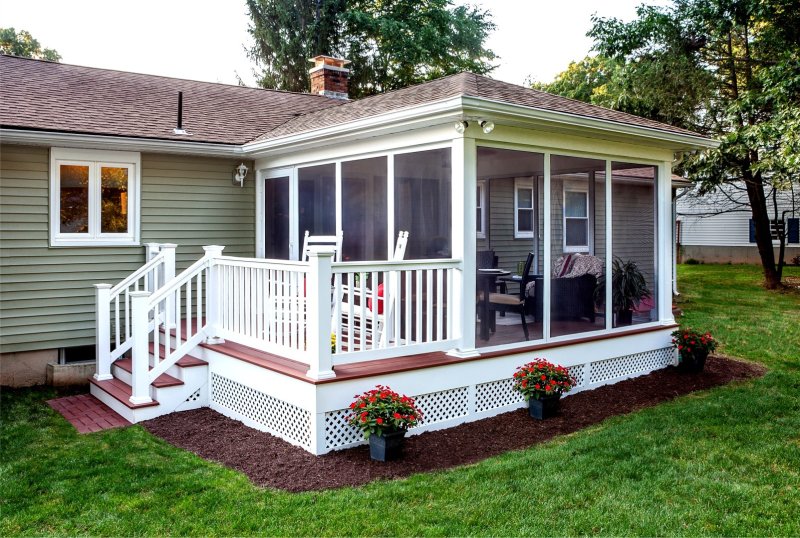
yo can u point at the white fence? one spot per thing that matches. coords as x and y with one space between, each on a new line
369 310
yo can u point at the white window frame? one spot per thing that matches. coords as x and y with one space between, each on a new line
481 228
95 160
573 188
523 183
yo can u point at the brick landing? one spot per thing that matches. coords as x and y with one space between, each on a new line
87 413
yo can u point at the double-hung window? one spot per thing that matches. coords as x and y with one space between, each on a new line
576 220
480 218
94 197
523 208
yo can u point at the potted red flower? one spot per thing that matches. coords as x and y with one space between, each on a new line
693 348
542 383
384 416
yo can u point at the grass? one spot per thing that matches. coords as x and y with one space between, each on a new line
720 462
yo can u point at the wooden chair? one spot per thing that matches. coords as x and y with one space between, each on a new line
505 302
334 241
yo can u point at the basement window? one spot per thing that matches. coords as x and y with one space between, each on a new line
94 197
69 355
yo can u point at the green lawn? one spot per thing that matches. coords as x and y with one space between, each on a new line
722 462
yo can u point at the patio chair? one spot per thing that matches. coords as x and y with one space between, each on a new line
334 241
353 299
506 302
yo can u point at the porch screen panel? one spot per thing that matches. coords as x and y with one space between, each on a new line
316 200
422 202
276 214
633 198
364 205
577 245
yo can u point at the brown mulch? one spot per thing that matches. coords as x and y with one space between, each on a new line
272 462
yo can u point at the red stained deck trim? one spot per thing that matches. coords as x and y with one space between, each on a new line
356 370
121 391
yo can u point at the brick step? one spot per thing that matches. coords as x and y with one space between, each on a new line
164 380
120 391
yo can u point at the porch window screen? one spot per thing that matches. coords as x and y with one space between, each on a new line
422 201
364 209
316 200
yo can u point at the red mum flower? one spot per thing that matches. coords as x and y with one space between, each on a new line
398 416
379 420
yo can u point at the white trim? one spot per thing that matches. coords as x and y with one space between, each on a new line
523 183
575 187
480 231
94 160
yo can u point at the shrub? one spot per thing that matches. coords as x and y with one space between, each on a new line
692 261
540 378
382 410
691 343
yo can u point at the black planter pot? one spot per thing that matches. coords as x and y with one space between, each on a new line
693 363
624 317
544 407
386 447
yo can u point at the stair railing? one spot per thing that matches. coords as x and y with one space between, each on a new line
113 305
185 309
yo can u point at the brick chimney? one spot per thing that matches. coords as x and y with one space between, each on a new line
329 77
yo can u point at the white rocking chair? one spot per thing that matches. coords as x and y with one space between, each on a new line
366 314
334 241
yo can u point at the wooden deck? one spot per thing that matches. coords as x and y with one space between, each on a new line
358 370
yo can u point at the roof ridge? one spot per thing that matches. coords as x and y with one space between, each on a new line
136 73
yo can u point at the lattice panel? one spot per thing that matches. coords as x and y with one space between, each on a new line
338 432
496 394
444 405
282 418
577 372
630 364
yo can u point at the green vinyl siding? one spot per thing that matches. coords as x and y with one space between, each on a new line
47 294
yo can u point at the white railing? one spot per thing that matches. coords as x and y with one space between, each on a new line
114 313
185 308
374 310
263 304
393 308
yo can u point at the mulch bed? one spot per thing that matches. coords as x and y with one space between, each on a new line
272 462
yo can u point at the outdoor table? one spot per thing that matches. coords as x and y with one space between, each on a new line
487 284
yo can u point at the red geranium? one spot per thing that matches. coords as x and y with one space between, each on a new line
384 411
541 378
691 343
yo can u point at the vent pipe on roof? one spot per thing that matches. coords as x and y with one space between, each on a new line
179 129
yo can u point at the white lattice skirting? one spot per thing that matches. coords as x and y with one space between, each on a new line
453 405
441 409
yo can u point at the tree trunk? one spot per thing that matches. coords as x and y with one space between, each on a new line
758 204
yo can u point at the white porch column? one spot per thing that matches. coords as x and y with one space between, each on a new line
168 249
140 352
318 313
664 224
102 331
464 186
151 251
213 295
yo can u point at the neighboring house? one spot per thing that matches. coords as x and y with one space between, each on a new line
718 227
103 173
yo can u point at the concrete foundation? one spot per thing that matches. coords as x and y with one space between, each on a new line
27 368
730 254
76 373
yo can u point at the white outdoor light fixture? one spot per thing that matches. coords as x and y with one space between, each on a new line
461 126
487 126
239 173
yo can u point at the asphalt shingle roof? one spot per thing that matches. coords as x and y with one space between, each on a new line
50 96
60 97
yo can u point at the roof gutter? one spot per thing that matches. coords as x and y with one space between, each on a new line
49 138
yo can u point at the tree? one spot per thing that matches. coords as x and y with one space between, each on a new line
22 43
390 43
729 69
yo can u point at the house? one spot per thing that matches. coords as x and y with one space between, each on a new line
718 227
162 222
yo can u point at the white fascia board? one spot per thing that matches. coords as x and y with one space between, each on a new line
120 143
677 141
397 120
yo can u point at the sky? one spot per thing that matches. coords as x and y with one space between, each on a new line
206 40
